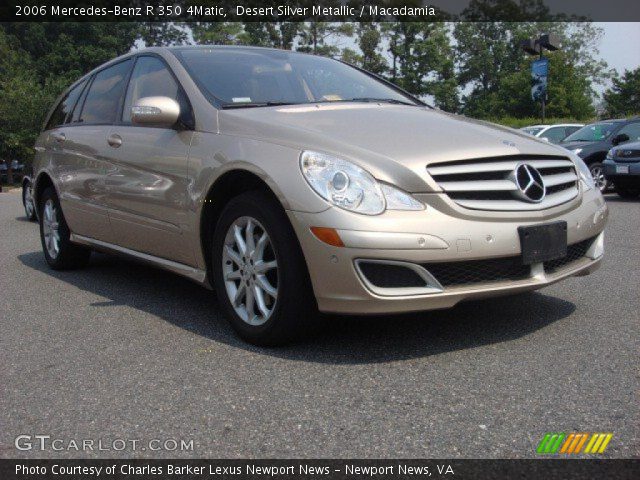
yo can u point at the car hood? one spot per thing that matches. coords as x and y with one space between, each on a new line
574 145
393 142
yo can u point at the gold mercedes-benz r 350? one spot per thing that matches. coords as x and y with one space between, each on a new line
292 183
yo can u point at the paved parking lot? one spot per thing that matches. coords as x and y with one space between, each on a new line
123 351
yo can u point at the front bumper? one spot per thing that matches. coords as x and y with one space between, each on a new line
612 172
442 233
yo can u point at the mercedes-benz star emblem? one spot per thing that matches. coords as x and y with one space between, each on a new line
530 184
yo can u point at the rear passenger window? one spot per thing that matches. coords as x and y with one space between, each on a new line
150 78
62 113
105 93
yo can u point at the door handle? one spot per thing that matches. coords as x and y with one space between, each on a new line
58 137
114 140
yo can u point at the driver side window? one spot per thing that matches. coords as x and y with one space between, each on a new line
150 78
632 131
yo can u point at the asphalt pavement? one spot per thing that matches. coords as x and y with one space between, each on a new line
119 352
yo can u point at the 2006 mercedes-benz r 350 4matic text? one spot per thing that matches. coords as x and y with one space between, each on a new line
291 183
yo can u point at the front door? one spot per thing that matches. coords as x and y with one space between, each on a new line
147 189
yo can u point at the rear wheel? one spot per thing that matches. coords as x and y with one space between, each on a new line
27 201
597 172
627 192
259 272
58 250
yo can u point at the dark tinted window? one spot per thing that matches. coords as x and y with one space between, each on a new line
105 93
570 130
593 133
150 78
554 134
62 113
632 131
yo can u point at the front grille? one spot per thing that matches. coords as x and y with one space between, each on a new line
574 252
488 183
451 274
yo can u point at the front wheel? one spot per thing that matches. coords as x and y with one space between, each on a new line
259 271
597 172
55 235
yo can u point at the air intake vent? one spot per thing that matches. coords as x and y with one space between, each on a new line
512 183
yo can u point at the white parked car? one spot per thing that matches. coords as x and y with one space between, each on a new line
552 133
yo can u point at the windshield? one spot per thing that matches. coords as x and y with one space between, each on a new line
243 77
532 130
592 133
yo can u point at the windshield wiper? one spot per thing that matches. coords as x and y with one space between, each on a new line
255 104
385 100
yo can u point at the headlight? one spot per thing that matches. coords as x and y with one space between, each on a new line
348 186
584 173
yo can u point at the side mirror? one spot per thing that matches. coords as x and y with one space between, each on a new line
621 138
155 111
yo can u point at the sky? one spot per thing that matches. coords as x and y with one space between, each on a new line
620 46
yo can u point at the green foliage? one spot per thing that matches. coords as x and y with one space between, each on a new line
39 60
514 122
476 68
496 73
623 98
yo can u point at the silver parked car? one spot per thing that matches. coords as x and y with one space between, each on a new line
292 183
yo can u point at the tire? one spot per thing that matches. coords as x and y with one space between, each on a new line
58 250
597 172
27 202
627 192
261 318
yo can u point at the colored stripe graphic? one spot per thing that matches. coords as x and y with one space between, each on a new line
598 443
572 443
550 443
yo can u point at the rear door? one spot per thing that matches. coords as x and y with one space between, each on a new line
147 188
83 165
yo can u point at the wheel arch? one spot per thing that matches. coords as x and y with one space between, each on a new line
595 157
227 186
42 182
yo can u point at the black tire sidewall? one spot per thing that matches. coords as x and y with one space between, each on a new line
295 304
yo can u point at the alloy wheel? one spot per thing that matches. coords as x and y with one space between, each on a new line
51 229
597 172
250 270
29 207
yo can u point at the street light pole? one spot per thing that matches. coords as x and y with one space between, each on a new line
536 46
544 97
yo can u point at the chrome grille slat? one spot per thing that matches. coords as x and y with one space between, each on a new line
516 205
489 183
479 186
559 179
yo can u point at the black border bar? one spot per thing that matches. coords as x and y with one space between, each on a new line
319 10
119 469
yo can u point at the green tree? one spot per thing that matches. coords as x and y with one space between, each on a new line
160 34
569 93
422 60
369 40
219 33
623 98
70 49
319 37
